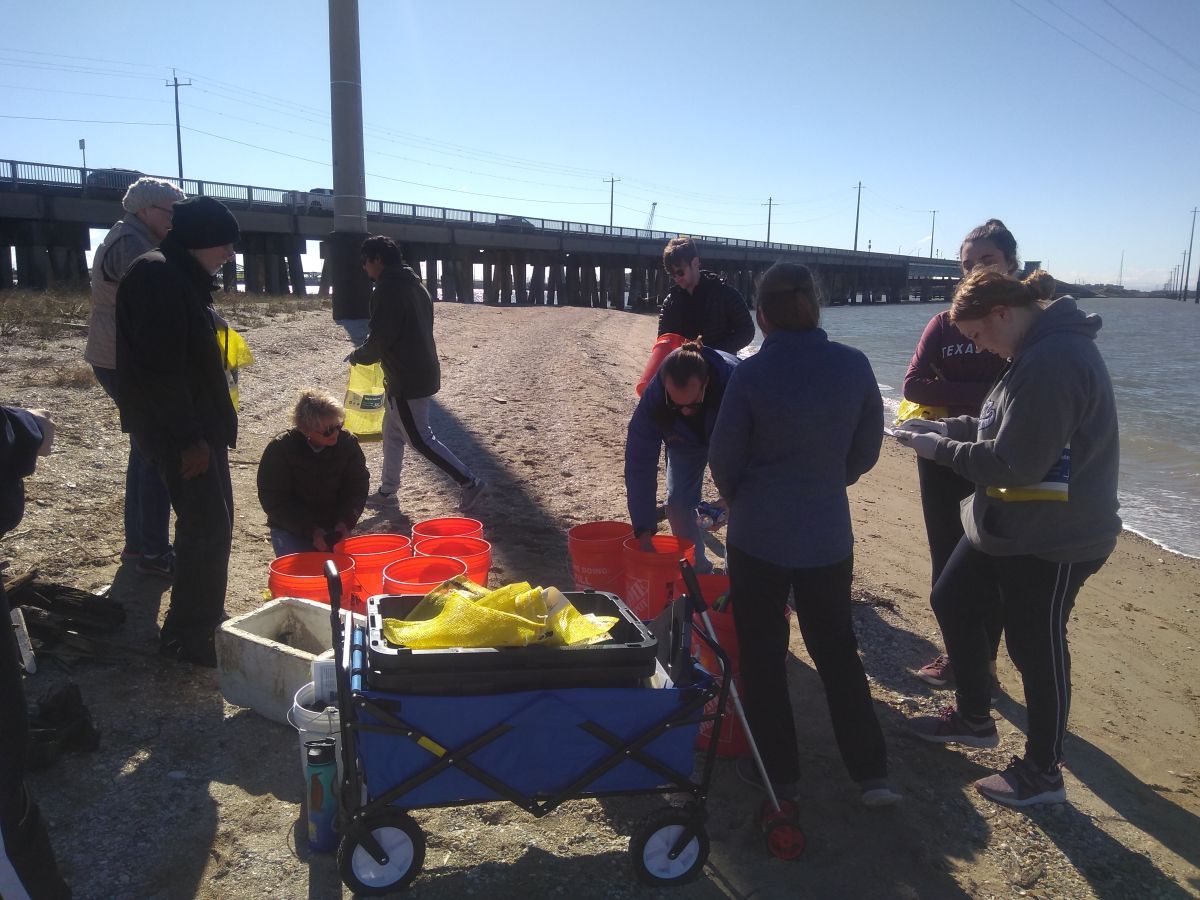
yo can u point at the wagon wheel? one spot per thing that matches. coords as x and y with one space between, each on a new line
402 841
652 845
785 837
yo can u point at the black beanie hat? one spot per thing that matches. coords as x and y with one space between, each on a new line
200 222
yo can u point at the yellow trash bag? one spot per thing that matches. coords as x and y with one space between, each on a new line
364 402
235 354
909 410
460 613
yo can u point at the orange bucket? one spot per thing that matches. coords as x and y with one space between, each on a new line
475 553
371 554
450 526
597 560
303 575
732 742
662 348
420 574
652 579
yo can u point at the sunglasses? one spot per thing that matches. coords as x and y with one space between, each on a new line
684 407
330 431
677 273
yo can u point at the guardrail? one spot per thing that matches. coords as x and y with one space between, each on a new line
15 174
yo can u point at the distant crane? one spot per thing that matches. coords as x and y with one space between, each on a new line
650 218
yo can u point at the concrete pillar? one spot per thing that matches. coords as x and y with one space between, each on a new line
520 279
636 275
554 285
295 266
572 284
252 272
229 276
6 267
537 285
505 280
491 292
431 276
271 267
33 267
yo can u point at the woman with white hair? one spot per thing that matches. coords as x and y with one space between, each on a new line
148 204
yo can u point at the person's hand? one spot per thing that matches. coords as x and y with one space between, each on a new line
46 424
318 540
925 445
193 460
923 426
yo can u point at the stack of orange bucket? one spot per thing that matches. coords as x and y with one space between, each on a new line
652 578
597 555
372 553
303 575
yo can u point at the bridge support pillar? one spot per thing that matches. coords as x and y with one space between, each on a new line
520 279
537 285
295 264
6 267
505 280
33 267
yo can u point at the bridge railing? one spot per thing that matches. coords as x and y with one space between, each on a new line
15 175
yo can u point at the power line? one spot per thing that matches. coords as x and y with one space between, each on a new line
1121 69
1114 44
1152 37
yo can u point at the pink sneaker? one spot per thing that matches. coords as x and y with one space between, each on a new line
939 673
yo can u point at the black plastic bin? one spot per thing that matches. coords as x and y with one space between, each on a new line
620 662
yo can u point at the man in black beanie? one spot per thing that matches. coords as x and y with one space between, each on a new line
173 398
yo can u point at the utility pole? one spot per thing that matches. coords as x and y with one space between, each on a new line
1187 269
176 83
1182 280
857 207
611 194
1121 271
83 174
932 229
768 205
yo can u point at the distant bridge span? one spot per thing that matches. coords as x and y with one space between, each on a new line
46 211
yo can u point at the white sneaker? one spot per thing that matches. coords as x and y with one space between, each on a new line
471 494
380 500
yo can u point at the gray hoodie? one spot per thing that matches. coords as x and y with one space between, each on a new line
1044 451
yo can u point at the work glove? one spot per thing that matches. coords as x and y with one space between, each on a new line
925 445
924 426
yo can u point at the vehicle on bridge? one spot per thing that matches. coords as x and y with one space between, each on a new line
317 200
111 180
514 222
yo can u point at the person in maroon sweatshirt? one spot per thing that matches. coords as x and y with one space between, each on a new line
949 371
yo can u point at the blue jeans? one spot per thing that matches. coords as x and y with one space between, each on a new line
147 503
284 542
685 478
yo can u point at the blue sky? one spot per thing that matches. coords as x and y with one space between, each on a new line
1077 122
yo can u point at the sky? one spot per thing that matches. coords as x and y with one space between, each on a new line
1076 122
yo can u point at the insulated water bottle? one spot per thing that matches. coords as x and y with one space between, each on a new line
321 779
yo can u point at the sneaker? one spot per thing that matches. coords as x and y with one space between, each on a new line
162 566
198 653
951 728
471 494
1021 784
382 500
747 771
878 792
939 673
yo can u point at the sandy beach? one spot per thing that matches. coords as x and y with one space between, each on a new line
190 796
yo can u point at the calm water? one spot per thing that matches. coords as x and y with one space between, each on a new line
1150 347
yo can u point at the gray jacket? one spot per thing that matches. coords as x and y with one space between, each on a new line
125 242
1044 451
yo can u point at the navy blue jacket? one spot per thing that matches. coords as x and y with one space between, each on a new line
801 420
19 442
655 424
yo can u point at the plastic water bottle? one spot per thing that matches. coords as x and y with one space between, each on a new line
321 782
710 516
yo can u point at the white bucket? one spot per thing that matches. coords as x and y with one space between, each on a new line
315 726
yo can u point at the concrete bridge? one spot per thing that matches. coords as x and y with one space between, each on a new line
46 211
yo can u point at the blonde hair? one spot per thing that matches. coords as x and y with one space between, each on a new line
984 289
315 407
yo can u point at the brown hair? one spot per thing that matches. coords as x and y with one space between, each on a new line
787 298
997 232
685 363
679 252
984 289
314 408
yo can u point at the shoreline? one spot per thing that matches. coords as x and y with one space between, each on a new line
537 402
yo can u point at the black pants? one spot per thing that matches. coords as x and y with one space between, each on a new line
25 851
203 538
1037 597
942 492
759 593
